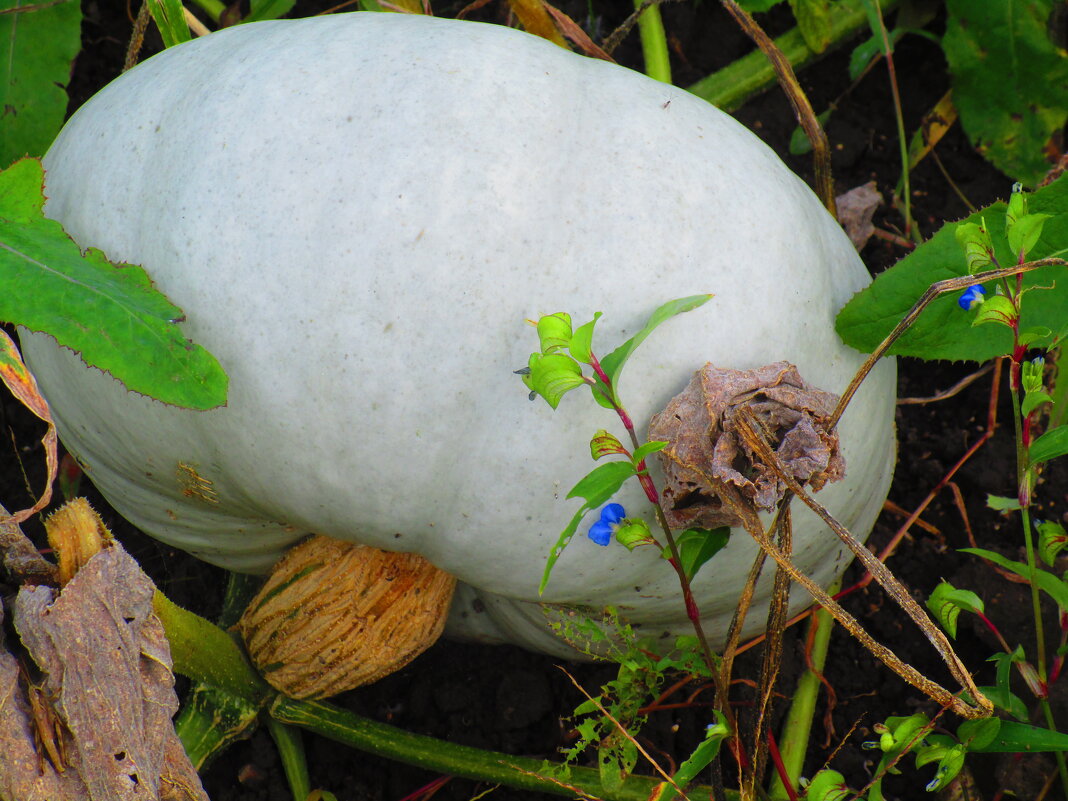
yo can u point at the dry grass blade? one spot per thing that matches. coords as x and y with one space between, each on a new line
885 578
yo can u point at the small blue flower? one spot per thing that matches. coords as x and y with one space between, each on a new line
971 297
611 516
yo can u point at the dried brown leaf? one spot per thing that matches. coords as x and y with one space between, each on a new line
855 210
108 676
706 452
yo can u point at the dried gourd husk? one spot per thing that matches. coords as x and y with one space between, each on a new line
334 615
706 452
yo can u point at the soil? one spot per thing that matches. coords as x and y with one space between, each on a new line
510 700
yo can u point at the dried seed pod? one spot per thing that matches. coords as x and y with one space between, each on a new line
334 615
76 533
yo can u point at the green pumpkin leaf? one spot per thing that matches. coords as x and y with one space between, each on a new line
596 487
110 313
1010 81
1049 446
1047 582
944 330
38 44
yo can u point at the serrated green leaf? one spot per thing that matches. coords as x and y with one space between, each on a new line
944 330
596 487
554 332
612 364
38 44
169 17
649 447
814 22
268 9
1049 446
605 443
581 341
1010 81
1047 582
111 314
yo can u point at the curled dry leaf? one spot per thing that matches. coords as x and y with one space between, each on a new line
855 210
107 681
706 453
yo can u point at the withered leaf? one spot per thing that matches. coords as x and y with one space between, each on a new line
855 210
705 452
107 671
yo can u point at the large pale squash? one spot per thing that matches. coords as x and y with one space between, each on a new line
357 213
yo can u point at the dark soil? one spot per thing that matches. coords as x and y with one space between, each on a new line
513 701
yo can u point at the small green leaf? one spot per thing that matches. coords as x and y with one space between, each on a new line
946 602
1002 503
596 487
582 339
1025 234
268 9
697 545
1052 539
110 313
800 144
977 734
1032 400
1033 334
612 364
648 448
828 785
1017 206
633 534
701 757
978 247
606 444
996 309
552 376
1047 582
1049 446
814 22
554 332
949 765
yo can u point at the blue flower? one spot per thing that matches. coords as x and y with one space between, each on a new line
611 516
971 297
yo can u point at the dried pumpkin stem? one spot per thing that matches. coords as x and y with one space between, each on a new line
885 578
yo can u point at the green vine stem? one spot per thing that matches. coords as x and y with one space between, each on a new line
654 41
793 742
290 746
429 753
731 86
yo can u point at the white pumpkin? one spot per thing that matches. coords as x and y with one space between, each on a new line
357 212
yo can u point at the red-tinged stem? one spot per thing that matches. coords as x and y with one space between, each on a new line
780 768
994 630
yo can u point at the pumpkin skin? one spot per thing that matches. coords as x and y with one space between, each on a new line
357 212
